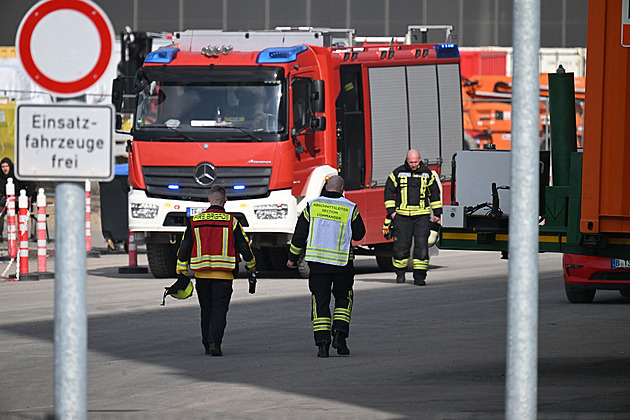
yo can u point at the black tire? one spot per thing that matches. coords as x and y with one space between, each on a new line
625 292
162 259
384 256
385 263
579 294
262 262
277 258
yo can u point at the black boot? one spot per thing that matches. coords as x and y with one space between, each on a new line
323 349
215 349
339 343
419 278
400 276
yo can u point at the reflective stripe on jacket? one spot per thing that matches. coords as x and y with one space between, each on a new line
330 231
412 193
213 241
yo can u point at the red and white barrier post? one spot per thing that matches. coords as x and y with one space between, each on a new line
133 250
88 216
133 257
11 222
88 221
23 216
41 231
41 236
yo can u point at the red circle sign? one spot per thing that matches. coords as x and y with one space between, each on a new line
25 51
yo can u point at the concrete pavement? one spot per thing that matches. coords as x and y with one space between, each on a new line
435 352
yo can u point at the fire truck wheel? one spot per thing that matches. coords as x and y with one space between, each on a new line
385 263
383 254
162 259
277 258
262 263
579 294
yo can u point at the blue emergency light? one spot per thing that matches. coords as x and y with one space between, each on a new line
163 55
446 51
280 54
239 187
173 187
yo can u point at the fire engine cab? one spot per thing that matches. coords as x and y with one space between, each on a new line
269 115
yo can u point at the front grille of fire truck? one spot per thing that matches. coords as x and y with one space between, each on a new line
178 182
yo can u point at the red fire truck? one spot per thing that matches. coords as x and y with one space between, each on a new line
269 115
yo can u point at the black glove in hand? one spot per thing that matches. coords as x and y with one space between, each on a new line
251 277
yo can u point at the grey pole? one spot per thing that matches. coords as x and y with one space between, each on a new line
70 303
522 322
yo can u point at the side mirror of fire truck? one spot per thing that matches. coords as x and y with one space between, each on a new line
117 94
318 123
317 97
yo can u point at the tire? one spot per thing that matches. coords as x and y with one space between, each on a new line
385 263
625 292
384 256
262 263
162 259
277 258
579 294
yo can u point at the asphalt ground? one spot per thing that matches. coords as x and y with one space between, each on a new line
434 352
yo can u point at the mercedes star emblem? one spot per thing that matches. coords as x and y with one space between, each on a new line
204 174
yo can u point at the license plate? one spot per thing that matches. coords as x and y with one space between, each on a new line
191 211
619 263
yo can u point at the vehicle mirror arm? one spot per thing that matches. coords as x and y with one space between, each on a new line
299 149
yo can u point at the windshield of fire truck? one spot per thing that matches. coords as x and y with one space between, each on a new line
213 106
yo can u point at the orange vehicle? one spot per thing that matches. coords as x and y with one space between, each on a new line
486 103
586 212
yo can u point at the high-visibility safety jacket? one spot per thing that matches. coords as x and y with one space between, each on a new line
330 230
412 193
211 242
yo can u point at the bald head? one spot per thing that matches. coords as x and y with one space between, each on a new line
335 184
413 159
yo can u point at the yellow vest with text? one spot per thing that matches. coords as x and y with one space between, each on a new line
330 231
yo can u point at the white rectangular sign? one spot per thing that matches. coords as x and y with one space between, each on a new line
62 142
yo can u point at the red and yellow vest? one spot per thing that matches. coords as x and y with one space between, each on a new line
213 241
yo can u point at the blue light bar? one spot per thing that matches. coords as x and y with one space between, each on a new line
173 187
239 187
446 51
280 54
163 55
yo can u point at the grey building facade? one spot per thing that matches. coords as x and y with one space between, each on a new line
476 22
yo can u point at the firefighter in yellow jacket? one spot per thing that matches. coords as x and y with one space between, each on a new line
210 247
412 201
324 231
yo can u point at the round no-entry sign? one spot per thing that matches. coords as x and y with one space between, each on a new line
65 45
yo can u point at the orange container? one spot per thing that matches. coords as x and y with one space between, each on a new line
606 164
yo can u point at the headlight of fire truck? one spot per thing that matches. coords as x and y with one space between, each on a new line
271 211
144 211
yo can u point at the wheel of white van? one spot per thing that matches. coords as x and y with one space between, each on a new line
579 294
303 267
162 259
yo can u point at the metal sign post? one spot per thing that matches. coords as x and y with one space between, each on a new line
522 329
70 303
68 144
